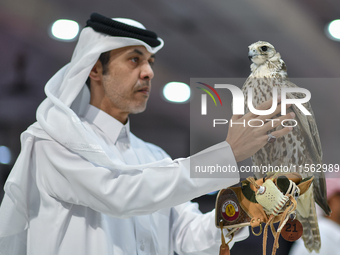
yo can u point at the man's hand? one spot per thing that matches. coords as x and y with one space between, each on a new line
246 141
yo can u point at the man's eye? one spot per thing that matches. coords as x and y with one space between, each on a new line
135 60
151 63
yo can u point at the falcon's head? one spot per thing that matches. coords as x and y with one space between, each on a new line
260 52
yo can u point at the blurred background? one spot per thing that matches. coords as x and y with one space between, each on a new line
203 39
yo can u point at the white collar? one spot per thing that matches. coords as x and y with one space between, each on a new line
111 127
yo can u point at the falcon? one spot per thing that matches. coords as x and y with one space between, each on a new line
299 147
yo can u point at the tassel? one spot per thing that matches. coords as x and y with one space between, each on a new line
224 248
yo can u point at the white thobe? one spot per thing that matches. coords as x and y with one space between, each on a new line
330 240
81 208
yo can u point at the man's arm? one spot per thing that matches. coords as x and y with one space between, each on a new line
67 176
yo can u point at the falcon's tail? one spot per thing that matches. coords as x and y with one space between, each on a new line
311 233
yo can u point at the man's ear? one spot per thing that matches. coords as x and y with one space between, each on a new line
97 71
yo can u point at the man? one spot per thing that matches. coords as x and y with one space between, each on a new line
83 184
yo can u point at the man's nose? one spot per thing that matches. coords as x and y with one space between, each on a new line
147 72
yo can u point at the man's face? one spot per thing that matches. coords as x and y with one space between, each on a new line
127 84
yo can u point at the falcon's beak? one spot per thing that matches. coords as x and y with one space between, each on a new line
251 54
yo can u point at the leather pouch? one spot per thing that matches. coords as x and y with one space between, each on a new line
237 206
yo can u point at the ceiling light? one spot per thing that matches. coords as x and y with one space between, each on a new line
333 30
5 155
65 30
176 92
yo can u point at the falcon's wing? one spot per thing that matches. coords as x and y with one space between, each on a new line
308 124
313 145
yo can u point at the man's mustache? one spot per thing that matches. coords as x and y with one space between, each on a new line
144 86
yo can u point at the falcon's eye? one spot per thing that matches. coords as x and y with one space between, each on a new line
264 48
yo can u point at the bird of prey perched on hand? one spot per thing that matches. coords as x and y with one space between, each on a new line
299 147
